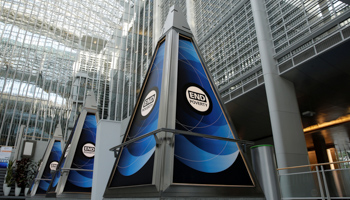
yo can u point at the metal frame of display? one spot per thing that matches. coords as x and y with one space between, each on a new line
57 137
89 107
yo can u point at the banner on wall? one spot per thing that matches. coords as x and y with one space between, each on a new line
5 155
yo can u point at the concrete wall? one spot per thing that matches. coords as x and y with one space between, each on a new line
40 147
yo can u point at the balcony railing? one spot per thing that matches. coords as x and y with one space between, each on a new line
318 181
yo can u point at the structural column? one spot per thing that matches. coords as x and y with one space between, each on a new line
320 149
288 135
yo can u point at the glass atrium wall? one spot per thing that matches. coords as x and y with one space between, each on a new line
53 52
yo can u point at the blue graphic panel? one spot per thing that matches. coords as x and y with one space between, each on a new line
198 110
3 164
54 157
57 174
135 163
81 181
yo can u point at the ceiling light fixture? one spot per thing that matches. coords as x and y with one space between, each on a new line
324 125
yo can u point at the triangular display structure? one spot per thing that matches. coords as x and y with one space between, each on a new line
73 177
179 141
49 163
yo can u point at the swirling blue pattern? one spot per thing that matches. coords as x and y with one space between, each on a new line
55 155
83 179
57 175
205 155
135 155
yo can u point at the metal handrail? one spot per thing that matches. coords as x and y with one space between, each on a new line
76 169
312 165
178 132
42 179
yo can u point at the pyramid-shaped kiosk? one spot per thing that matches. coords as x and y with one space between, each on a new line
73 177
179 141
49 163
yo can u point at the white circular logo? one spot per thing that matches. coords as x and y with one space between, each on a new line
67 151
148 103
89 150
197 98
53 165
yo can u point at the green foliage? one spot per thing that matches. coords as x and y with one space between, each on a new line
9 179
25 172
31 170
21 176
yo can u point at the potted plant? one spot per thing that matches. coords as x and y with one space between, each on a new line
21 176
31 170
9 178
